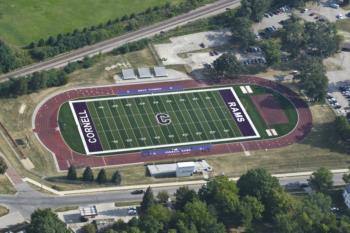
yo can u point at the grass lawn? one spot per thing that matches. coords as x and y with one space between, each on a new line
343 25
24 21
66 208
6 186
3 211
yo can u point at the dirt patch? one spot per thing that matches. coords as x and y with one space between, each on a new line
269 109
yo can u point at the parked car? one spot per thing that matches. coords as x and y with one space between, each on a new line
334 5
132 211
340 16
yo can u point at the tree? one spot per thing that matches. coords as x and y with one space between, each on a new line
257 183
3 166
88 175
7 58
150 224
45 221
102 176
228 65
250 209
161 213
265 188
321 180
312 76
342 126
222 194
322 38
147 201
163 197
72 173
183 195
293 36
197 213
254 9
309 216
116 178
89 228
272 50
242 32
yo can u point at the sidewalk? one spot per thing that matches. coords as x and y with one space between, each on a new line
159 185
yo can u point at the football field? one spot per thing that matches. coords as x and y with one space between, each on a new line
161 120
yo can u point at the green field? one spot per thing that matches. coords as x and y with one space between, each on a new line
24 21
125 124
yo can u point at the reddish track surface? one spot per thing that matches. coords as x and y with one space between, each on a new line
46 126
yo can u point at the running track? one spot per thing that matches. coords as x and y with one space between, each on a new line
45 123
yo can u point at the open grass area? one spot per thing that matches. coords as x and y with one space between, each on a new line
66 208
24 21
3 211
343 25
5 186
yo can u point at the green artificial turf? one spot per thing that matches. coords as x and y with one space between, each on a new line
130 123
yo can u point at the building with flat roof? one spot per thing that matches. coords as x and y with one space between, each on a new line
144 73
160 71
162 170
179 169
88 212
128 74
185 169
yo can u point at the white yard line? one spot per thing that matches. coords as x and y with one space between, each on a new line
249 89
217 117
274 132
268 133
116 126
171 144
244 91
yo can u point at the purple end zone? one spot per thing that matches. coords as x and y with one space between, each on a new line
87 127
237 113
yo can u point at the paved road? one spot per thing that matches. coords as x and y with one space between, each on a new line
108 45
27 199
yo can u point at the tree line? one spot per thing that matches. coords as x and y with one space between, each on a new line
39 80
88 176
14 87
11 58
255 202
52 46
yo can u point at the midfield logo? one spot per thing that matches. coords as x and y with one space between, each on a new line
163 118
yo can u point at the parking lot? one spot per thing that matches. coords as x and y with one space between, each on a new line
105 211
194 50
338 73
323 10
272 20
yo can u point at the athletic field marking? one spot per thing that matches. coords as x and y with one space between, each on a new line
205 122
